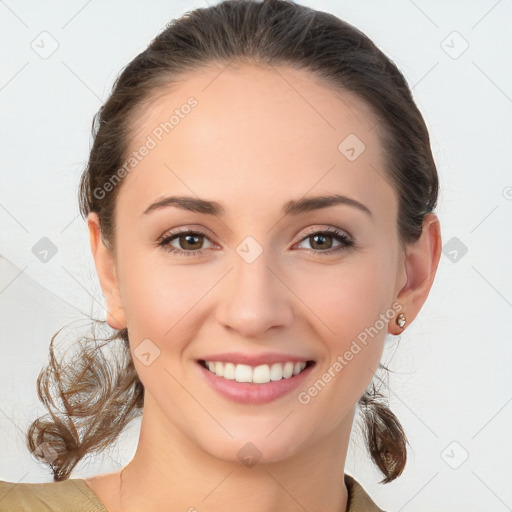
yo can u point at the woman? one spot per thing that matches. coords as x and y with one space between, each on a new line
259 198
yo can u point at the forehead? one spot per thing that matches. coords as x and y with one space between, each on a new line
255 132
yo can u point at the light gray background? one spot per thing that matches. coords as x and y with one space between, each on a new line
451 389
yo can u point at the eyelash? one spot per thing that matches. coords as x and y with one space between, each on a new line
346 242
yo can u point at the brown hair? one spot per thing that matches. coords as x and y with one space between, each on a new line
100 398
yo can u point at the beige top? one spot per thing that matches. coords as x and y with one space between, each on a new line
75 495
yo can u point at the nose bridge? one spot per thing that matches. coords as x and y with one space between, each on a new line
255 299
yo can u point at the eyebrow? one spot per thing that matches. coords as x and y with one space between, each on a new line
294 207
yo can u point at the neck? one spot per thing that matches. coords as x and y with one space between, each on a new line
170 472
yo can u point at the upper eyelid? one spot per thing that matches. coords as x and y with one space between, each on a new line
179 231
328 229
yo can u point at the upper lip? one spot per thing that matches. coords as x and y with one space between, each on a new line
254 360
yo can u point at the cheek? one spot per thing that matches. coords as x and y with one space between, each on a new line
160 299
349 303
346 298
161 304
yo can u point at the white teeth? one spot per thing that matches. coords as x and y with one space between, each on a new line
297 368
258 375
243 373
276 371
229 371
288 370
261 374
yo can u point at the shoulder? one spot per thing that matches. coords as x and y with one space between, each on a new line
71 494
358 499
75 494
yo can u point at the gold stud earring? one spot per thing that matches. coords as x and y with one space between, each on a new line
400 320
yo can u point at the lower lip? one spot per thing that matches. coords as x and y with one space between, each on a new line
250 393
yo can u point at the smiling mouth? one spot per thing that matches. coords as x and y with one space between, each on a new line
261 374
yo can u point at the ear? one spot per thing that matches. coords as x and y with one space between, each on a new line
420 265
105 268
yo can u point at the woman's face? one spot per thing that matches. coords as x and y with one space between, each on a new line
258 277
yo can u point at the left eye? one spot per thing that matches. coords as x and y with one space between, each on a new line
320 238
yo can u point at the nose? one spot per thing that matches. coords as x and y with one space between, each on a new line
255 298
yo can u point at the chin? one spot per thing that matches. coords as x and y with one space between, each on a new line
250 446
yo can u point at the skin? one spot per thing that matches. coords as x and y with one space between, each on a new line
259 137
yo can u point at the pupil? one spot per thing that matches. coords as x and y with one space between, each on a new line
321 237
188 237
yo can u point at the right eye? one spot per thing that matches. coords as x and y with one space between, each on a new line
185 240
